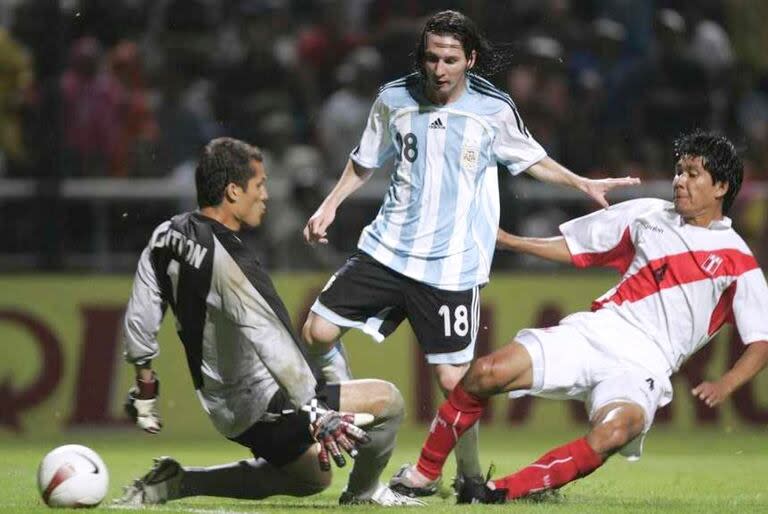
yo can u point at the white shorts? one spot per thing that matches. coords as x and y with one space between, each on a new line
569 364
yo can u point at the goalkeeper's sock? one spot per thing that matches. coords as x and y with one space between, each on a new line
373 457
554 469
456 415
333 364
251 479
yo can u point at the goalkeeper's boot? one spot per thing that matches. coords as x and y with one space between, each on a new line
476 490
160 484
383 496
403 482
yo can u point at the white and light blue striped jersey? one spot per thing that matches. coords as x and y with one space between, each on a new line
440 215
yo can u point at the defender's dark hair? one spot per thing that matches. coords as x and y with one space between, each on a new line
719 158
456 24
223 161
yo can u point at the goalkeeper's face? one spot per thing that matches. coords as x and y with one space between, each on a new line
251 205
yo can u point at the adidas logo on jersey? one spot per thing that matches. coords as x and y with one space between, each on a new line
437 124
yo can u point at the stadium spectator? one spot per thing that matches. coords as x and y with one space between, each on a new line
247 365
685 273
15 82
138 128
89 103
344 113
429 250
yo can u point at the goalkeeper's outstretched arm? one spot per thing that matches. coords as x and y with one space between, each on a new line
550 248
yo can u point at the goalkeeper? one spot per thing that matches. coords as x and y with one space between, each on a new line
247 366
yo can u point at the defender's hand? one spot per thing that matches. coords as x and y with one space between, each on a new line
143 410
711 393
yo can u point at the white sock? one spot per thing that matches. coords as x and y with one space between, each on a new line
333 364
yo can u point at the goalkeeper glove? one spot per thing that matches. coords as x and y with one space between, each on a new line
335 431
141 405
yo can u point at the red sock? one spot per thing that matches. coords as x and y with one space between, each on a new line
457 414
554 469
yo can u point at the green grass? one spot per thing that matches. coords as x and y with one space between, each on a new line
681 471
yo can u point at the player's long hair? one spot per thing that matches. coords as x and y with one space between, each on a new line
490 58
223 161
719 158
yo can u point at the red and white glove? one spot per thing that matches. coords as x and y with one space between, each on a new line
335 431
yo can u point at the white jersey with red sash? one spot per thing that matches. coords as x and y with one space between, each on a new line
680 283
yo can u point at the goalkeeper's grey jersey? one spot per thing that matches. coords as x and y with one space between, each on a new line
236 332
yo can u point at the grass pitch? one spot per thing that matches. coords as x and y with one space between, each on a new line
681 471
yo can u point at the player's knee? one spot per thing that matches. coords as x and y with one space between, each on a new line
316 334
612 434
483 377
388 402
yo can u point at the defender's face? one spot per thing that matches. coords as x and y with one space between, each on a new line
445 66
696 195
252 203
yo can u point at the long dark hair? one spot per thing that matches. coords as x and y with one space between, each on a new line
489 59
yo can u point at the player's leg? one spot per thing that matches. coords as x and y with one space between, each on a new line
252 479
445 324
508 368
323 340
256 479
360 295
467 448
384 401
612 428
622 410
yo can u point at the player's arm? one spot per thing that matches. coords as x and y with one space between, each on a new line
549 170
352 178
550 248
751 362
141 324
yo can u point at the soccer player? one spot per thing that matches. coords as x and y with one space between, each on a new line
685 273
429 250
248 367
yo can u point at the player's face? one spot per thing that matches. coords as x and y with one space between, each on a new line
252 203
445 66
697 198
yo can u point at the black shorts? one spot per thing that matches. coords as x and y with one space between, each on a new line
283 441
367 295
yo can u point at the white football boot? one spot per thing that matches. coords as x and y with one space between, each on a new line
160 484
383 496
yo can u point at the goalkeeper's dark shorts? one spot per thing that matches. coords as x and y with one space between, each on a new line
284 440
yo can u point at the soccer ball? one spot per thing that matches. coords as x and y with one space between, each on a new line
72 476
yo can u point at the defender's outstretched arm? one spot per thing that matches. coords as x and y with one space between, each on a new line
550 248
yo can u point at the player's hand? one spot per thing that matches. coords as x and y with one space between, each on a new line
335 432
711 393
598 188
144 410
316 230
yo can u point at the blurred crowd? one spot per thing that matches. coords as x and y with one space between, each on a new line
134 88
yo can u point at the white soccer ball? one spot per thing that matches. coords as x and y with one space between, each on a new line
72 476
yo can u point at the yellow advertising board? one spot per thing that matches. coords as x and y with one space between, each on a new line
63 370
